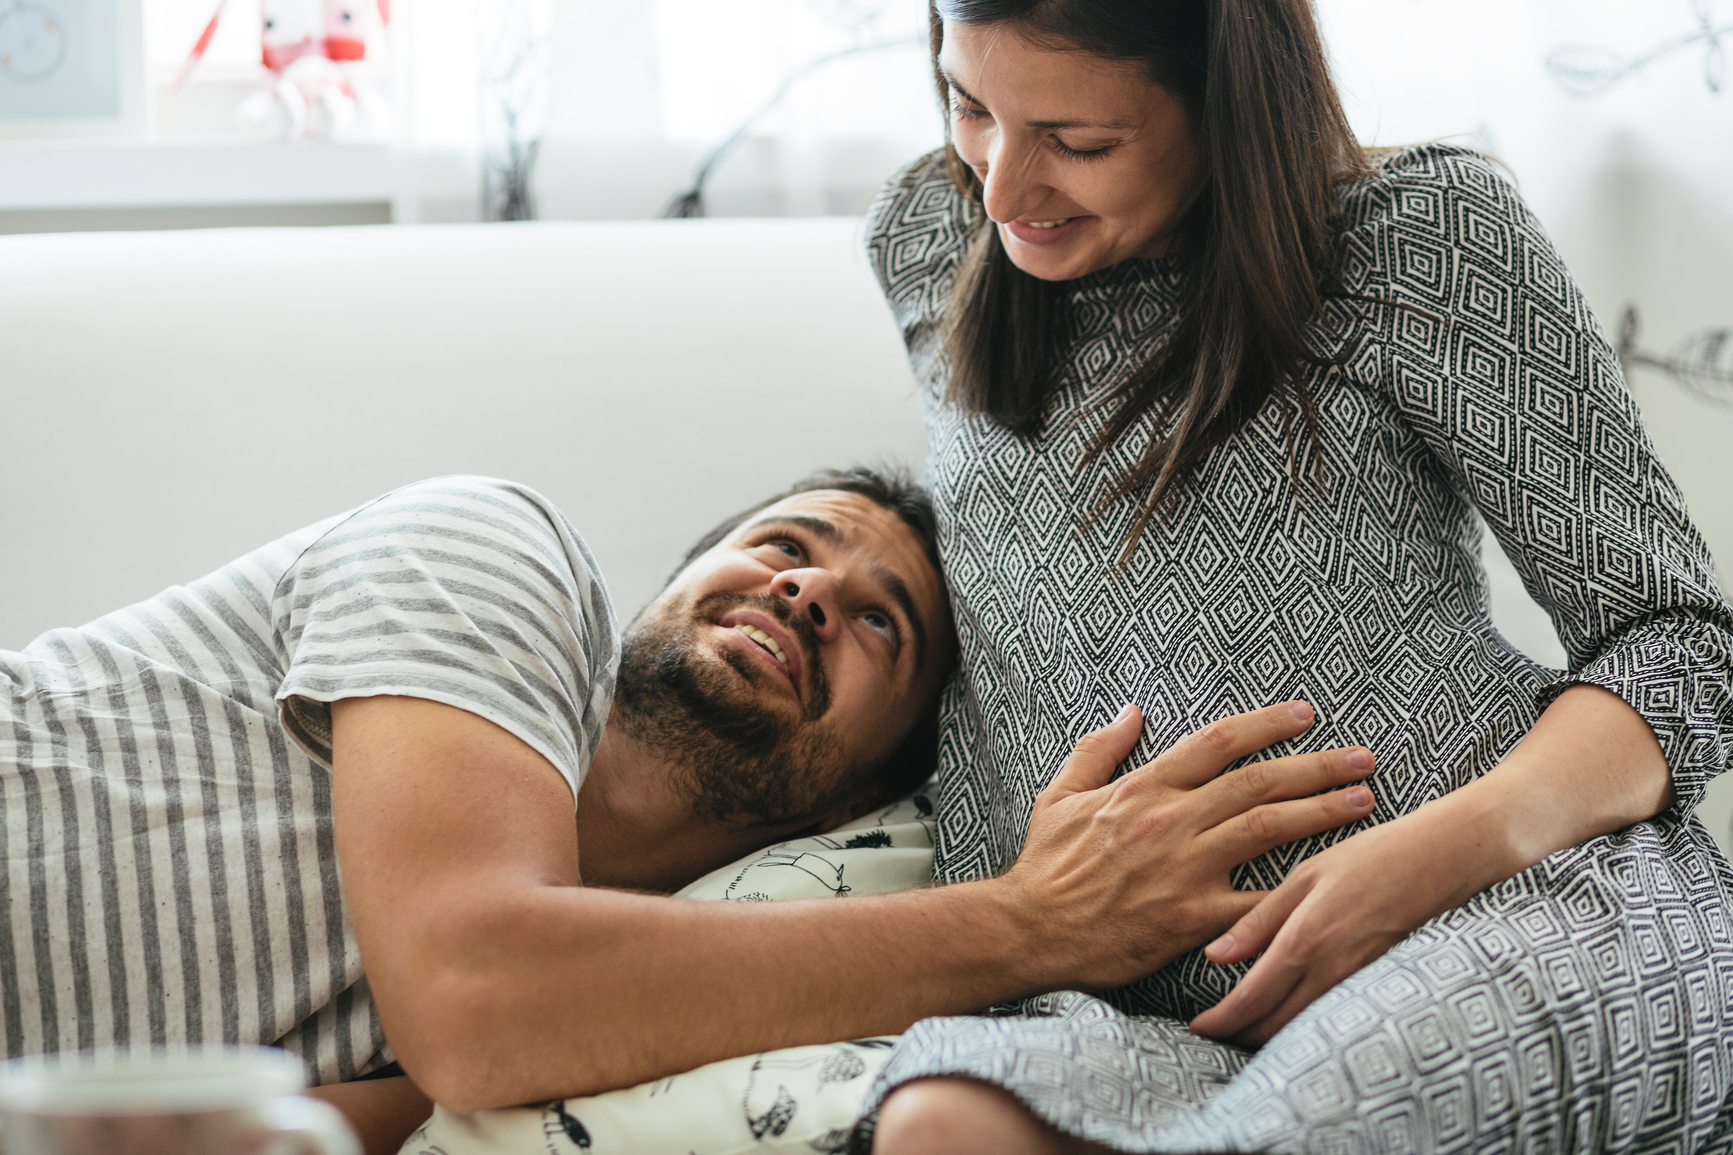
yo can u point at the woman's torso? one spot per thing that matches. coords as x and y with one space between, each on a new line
1352 581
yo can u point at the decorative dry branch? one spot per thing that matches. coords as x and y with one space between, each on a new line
1586 69
1701 364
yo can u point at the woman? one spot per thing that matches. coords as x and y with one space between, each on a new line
1213 398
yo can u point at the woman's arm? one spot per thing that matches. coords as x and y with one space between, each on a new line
1589 766
1524 409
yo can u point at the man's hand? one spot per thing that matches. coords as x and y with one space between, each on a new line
1128 874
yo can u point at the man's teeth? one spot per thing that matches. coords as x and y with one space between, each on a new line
764 640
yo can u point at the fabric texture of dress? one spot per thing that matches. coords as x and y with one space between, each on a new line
1582 1005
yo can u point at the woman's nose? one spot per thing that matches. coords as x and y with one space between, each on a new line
1008 187
811 592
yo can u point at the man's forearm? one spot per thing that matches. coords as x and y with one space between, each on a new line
500 979
646 986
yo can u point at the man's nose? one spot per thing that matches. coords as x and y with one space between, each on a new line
811 592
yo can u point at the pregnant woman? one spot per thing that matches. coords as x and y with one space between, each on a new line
1217 401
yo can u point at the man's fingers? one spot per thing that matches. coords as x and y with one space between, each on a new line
1263 828
1275 779
1265 987
1097 754
1201 755
1229 908
1256 928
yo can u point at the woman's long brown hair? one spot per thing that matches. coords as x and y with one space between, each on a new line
1255 247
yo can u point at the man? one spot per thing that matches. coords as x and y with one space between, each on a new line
423 689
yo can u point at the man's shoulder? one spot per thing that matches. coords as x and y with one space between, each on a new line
502 535
471 591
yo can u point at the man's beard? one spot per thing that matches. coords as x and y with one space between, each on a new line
740 762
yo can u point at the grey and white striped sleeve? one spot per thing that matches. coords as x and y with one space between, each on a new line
464 590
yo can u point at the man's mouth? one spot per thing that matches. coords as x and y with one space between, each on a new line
764 640
774 639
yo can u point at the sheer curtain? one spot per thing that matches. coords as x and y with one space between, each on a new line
645 93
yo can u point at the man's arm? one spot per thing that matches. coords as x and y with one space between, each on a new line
500 980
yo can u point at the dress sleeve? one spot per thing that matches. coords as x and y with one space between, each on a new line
467 591
918 229
1502 369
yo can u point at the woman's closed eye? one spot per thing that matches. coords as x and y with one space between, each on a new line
1070 153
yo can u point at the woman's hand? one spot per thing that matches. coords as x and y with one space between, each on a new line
1589 766
1125 875
1336 912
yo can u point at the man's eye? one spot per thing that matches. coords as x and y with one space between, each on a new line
878 621
786 546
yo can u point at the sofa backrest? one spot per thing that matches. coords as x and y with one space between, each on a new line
171 400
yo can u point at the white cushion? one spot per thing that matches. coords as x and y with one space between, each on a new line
801 1099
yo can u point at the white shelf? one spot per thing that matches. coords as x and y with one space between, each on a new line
79 174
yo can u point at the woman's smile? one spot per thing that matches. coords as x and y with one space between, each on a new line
1044 232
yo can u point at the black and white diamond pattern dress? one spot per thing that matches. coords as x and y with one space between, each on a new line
1586 1004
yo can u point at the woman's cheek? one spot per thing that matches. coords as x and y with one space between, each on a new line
969 140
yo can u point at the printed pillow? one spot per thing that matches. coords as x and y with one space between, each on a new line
801 1099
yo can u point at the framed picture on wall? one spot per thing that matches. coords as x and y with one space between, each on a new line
71 68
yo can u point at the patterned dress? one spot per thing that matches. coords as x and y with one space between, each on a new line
1586 1004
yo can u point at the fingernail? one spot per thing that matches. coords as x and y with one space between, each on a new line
1360 759
1221 945
1359 798
1124 713
1302 711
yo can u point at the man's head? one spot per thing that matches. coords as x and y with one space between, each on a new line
790 669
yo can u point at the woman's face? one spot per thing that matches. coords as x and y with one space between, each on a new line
1084 161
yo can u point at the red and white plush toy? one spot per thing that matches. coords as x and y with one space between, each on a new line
312 89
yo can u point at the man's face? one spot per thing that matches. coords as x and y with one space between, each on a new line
799 649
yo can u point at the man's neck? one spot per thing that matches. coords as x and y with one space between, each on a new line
636 828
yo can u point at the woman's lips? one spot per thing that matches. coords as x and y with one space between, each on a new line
1034 234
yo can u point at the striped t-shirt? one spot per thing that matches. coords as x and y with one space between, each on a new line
167 870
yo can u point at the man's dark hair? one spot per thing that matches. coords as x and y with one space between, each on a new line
891 486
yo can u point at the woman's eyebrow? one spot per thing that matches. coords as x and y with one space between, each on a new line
1110 125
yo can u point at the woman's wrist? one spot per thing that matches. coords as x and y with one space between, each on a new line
1472 838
